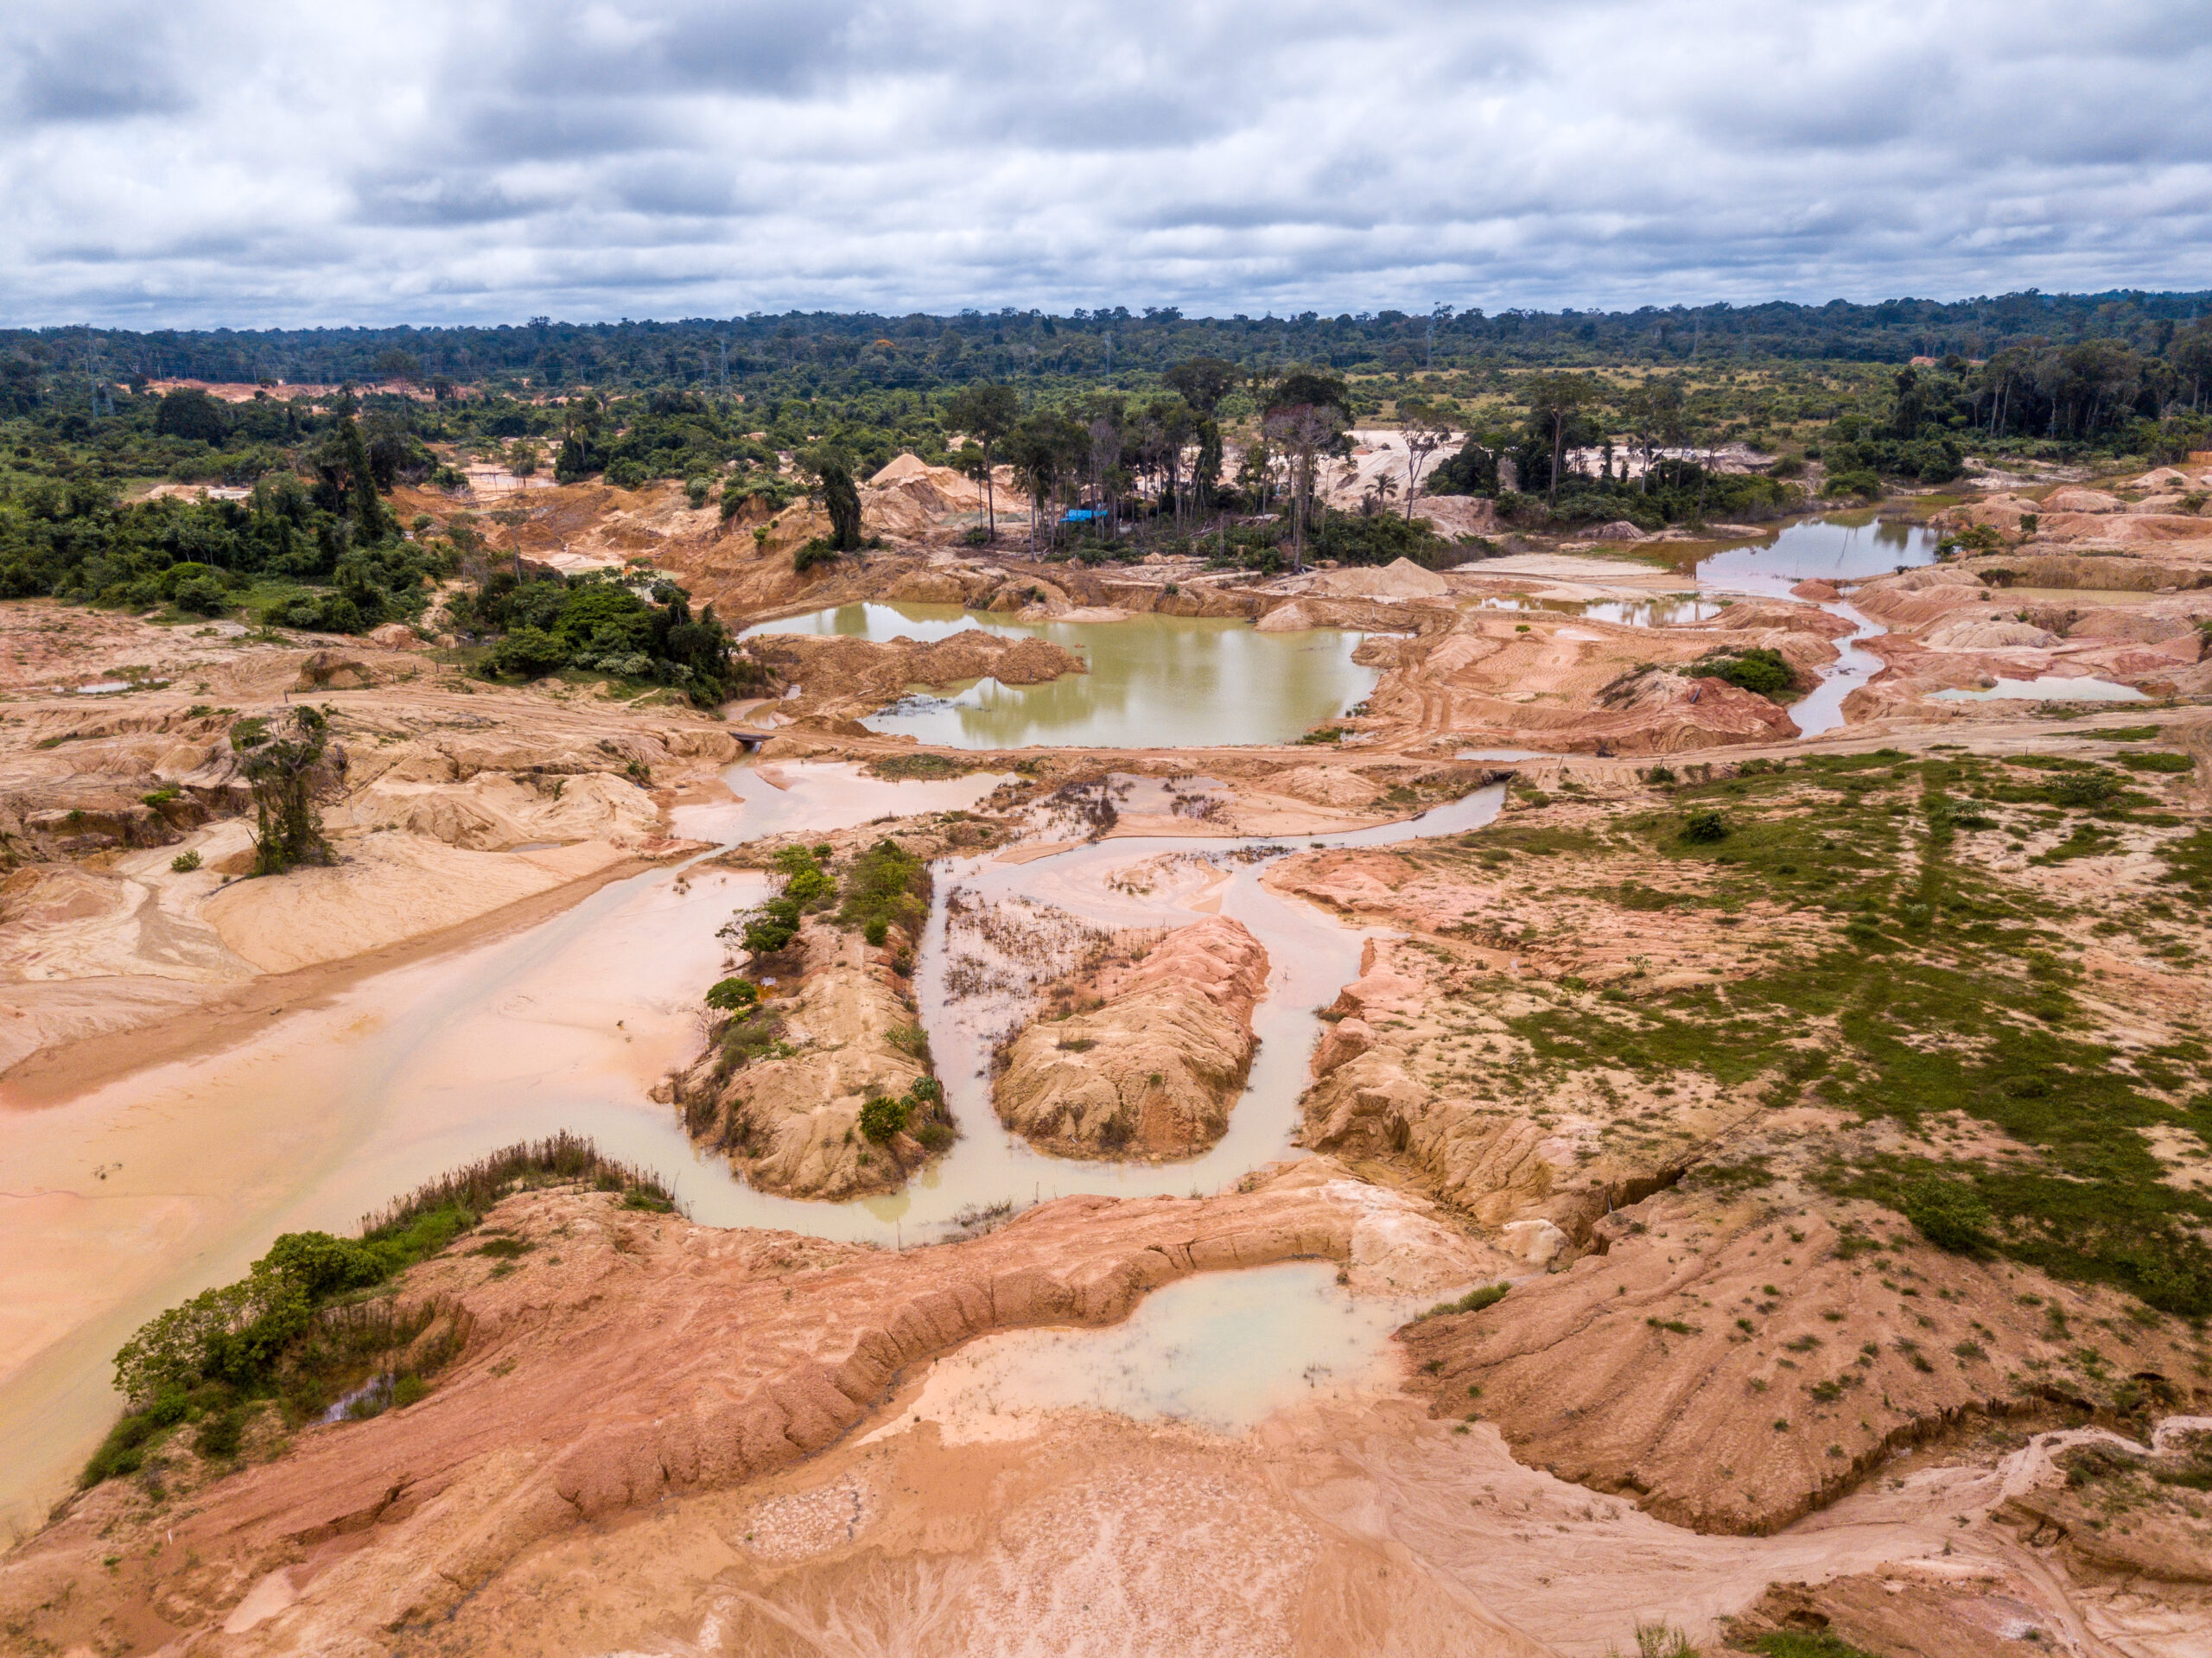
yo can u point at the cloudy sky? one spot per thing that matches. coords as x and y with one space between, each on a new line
248 163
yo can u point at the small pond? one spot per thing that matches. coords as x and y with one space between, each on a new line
2050 688
1154 681
1669 610
1220 1350
1845 548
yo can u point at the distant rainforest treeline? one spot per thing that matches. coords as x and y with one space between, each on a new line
832 353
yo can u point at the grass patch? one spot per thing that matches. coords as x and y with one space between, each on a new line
1487 1295
912 768
1939 993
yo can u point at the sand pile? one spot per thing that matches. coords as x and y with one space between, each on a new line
1156 1067
846 678
1401 579
786 1107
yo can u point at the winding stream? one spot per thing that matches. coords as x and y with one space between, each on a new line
1823 550
565 1024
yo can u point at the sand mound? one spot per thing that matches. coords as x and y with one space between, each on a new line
791 1119
1156 1069
1326 785
1402 579
846 678
1972 634
1458 517
2082 501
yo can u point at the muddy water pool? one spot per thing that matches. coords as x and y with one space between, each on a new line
1669 610
2050 688
1155 681
1219 1350
137 1195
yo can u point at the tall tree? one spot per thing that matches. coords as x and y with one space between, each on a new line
1554 400
840 497
1425 430
287 774
1306 417
987 412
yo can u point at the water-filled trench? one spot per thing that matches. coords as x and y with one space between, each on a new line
564 1025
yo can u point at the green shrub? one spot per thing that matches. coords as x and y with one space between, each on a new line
1760 671
202 595
2157 761
886 885
733 995
812 554
1949 1214
1486 1295
221 1433
882 1116
1707 825
185 862
529 653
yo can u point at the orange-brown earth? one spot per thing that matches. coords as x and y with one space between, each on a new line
645 1443
450 800
1154 1056
614 1361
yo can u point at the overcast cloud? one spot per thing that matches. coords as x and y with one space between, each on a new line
255 164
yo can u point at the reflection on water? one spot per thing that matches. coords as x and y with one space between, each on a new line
1670 610
2050 688
1824 550
1820 549
1219 1350
1154 681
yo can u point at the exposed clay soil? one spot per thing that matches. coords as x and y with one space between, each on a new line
1729 1381
1152 1061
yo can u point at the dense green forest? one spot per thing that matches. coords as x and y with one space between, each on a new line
821 352
1205 434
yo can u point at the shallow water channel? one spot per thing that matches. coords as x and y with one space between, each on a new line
1155 681
1823 550
565 1024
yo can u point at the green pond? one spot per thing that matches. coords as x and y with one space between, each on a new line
1154 681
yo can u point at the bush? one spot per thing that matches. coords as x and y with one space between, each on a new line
1949 1214
695 490
1760 671
886 885
202 595
1488 1295
882 1116
733 995
185 862
813 554
528 652
1708 826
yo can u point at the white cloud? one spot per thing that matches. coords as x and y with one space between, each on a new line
255 164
